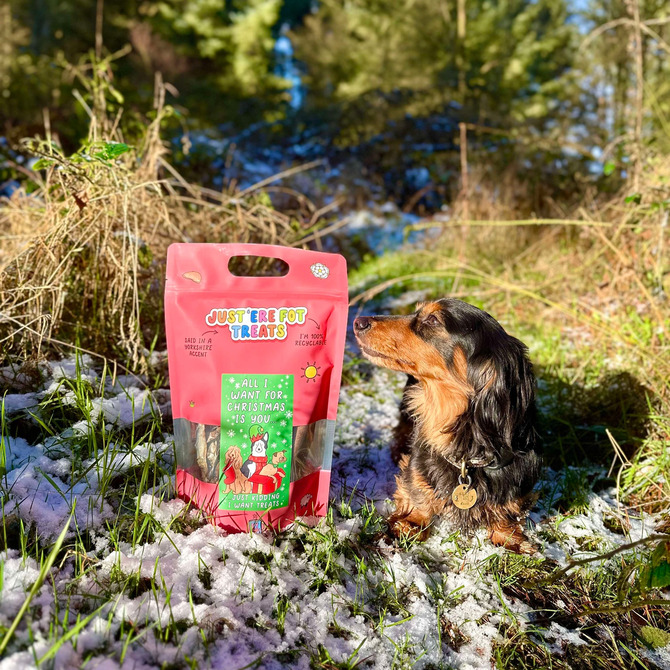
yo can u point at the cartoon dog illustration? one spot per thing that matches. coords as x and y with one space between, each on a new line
272 469
259 447
233 481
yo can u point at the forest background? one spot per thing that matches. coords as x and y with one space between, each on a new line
514 154
565 93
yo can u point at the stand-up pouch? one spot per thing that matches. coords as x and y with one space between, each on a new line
255 367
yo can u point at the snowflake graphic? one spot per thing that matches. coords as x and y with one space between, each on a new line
231 433
289 414
241 431
274 445
237 386
231 380
284 441
282 423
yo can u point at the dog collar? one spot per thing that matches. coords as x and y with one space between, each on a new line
464 496
490 464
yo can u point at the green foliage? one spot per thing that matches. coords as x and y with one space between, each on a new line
655 574
655 637
519 66
508 67
236 38
219 56
26 77
609 168
608 58
101 152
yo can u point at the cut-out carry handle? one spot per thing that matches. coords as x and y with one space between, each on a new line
207 267
257 266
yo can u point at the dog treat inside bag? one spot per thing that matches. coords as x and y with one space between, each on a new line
255 367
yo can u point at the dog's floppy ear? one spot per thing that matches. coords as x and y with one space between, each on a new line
500 414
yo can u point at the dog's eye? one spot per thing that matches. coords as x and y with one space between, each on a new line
432 320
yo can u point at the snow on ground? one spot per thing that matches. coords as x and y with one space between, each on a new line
367 415
337 591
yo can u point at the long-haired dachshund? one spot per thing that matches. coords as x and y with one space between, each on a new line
466 443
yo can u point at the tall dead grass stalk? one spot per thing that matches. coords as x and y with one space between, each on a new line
82 256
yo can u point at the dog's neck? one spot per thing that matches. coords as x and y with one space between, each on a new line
435 404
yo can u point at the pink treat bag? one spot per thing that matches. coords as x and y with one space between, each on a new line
255 369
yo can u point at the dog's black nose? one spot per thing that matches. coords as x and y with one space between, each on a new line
361 324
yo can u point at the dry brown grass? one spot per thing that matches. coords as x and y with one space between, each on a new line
82 257
602 267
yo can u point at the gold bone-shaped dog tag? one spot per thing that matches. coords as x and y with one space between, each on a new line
464 497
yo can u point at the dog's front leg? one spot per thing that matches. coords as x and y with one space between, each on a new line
510 535
505 525
416 504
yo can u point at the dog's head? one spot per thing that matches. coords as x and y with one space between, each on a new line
234 457
475 390
278 457
260 446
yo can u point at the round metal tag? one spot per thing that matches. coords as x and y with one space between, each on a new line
464 497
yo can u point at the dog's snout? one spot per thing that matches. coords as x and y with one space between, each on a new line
362 324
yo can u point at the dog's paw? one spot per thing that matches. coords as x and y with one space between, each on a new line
524 547
512 539
402 528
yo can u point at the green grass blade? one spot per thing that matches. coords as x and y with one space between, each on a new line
37 585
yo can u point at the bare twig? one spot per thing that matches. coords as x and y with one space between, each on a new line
465 187
555 576
638 58
623 609
281 175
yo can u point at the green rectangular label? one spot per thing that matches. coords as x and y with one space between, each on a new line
256 441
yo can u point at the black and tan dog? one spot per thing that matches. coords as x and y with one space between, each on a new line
466 443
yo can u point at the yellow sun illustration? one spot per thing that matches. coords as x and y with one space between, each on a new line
311 371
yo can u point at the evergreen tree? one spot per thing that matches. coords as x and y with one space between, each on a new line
609 66
509 62
234 37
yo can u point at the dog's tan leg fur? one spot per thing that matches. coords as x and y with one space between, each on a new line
504 525
511 536
416 504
